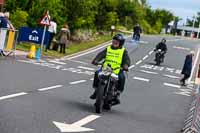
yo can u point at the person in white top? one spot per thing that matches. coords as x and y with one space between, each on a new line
9 24
53 30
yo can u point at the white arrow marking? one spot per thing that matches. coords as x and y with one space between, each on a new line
76 126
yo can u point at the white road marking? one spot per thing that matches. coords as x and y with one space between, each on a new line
86 68
13 95
175 40
76 61
77 82
76 126
151 52
143 42
137 63
131 66
172 85
92 79
171 76
150 72
88 52
50 88
145 57
183 48
57 62
141 79
185 92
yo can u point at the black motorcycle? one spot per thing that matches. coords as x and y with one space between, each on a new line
106 92
136 37
158 56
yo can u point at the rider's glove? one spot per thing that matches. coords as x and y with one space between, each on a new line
125 67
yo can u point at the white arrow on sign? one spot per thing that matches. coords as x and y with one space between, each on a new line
76 126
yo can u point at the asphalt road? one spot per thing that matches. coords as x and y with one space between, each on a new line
50 96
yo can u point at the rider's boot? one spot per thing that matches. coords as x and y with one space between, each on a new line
93 96
117 98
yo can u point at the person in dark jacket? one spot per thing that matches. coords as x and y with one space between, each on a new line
120 59
136 32
187 67
163 47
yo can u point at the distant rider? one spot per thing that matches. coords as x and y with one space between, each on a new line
163 47
137 31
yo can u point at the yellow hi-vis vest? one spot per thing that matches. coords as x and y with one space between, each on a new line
114 58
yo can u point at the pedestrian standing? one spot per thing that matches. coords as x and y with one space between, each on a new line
187 67
64 38
52 30
9 24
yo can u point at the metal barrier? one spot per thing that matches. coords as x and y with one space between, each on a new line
8 41
192 121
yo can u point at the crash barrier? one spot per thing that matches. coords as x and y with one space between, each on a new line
192 121
8 40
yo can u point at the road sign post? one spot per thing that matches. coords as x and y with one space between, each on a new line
45 21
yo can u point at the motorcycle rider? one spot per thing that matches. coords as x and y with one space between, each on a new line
136 31
116 56
163 47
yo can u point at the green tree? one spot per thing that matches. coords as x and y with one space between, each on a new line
19 18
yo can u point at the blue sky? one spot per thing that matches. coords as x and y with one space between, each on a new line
181 8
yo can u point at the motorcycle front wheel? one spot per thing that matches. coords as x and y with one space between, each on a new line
99 98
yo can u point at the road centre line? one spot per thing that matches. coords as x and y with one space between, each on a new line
132 66
86 68
77 82
141 79
137 63
50 88
150 72
13 95
145 57
172 85
150 52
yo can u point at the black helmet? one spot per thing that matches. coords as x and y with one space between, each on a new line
164 40
120 38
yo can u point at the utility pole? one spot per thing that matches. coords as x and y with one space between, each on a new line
2 4
198 31
193 26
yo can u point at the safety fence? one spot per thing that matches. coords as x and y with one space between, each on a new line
8 41
192 121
